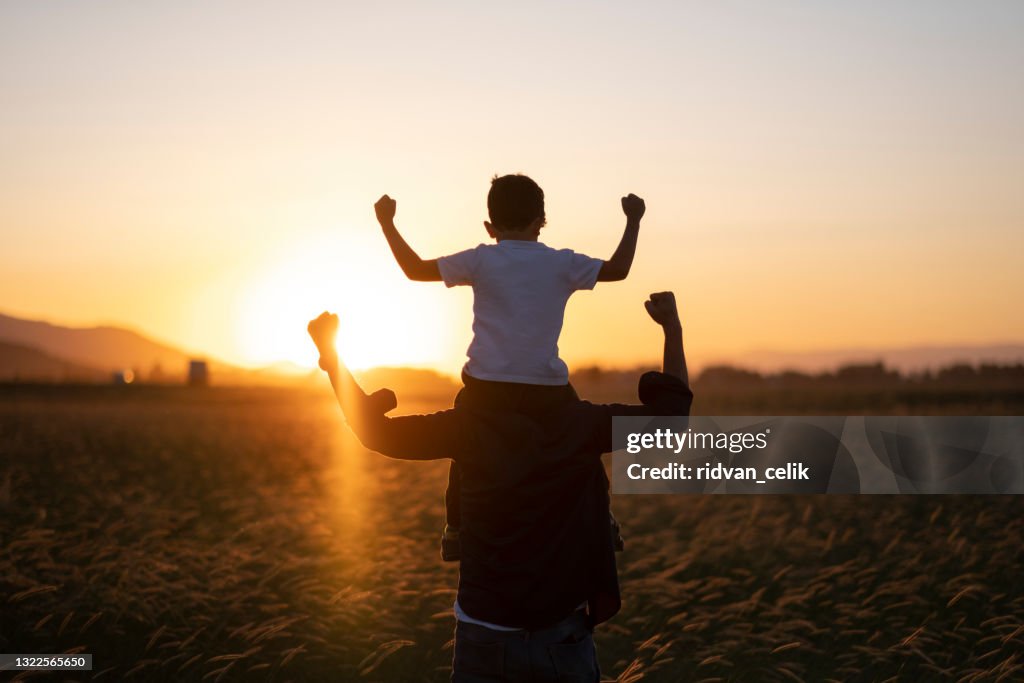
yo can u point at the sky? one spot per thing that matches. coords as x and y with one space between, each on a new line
817 175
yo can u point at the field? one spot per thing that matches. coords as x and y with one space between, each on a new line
230 534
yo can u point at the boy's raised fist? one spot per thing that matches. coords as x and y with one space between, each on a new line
633 207
385 209
661 306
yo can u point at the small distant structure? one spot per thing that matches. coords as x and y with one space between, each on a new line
198 373
122 377
157 375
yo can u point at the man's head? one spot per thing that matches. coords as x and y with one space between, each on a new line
515 205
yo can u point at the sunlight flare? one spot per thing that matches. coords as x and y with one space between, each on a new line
385 320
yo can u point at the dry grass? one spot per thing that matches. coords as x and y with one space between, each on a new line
242 535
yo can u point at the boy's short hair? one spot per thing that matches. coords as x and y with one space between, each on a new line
514 202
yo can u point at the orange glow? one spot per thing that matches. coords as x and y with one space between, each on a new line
825 178
385 320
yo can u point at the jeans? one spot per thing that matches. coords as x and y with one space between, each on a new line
563 652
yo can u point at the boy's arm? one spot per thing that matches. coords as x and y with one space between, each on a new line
617 267
411 264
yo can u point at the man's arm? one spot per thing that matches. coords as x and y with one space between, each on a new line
662 309
665 393
411 264
617 267
410 437
362 412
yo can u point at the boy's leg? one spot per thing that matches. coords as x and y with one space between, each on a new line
617 542
453 497
616 530
450 547
475 389
453 494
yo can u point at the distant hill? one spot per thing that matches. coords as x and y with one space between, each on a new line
906 360
409 381
38 351
25 364
50 352
104 348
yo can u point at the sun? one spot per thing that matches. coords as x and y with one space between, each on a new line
385 319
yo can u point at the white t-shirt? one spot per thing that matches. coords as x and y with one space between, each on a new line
519 293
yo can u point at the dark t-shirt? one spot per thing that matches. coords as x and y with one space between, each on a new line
535 537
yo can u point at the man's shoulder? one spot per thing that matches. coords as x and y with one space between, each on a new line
657 392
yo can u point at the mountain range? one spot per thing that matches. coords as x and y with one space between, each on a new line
18 362
38 351
908 359
102 348
32 350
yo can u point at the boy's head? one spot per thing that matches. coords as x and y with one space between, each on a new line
515 204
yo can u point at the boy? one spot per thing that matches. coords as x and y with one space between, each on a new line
520 288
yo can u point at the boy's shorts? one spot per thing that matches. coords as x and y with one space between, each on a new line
509 395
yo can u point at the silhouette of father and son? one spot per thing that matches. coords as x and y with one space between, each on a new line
528 498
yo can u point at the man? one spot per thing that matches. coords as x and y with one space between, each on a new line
538 563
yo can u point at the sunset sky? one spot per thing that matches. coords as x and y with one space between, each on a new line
817 175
